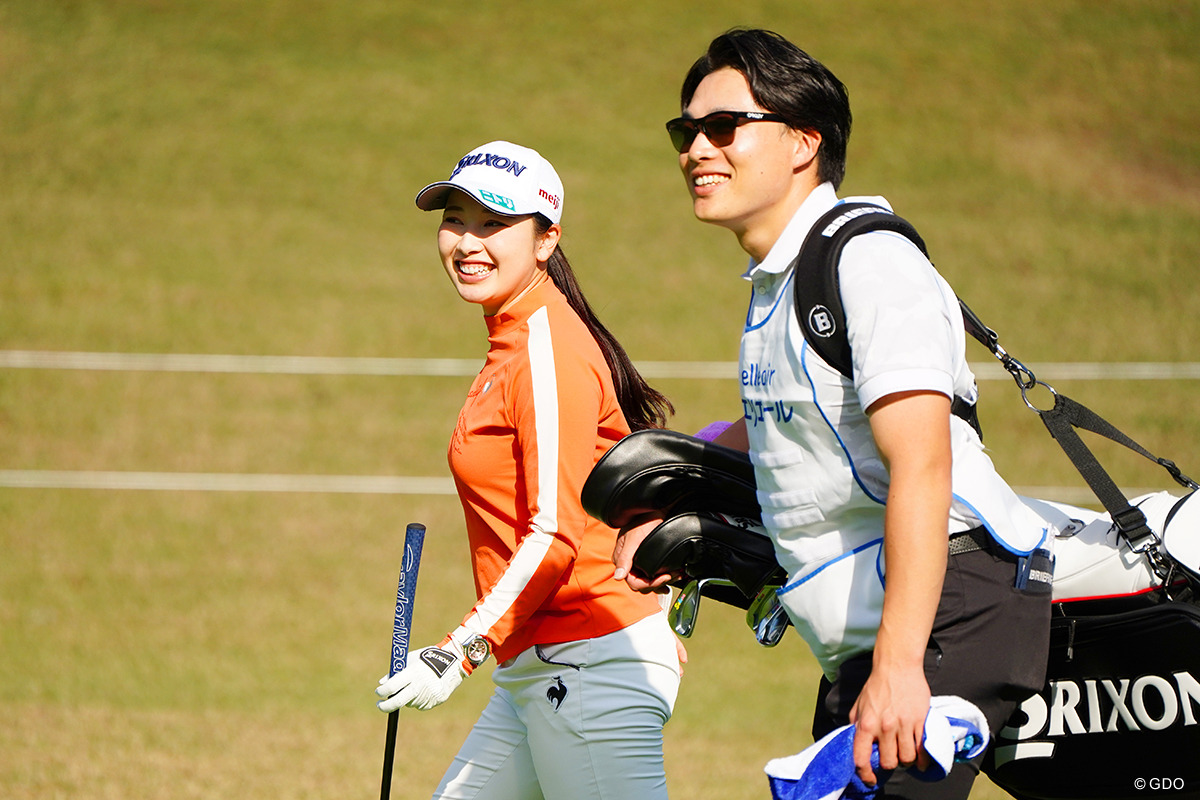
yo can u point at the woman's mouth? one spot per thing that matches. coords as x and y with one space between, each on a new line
472 269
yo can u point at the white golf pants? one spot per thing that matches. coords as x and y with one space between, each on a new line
574 721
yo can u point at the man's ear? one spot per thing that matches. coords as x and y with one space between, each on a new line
808 142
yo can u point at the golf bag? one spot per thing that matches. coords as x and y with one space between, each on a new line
1118 716
1122 697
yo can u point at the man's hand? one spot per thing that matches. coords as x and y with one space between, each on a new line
628 541
891 711
431 675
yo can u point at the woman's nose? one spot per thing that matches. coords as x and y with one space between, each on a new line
468 244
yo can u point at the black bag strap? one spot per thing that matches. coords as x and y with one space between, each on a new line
817 288
815 275
1061 421
822 319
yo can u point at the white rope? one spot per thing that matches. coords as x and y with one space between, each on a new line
430 367
223 482
467 367
341 484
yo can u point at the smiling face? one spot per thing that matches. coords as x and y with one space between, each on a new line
490 258
754 184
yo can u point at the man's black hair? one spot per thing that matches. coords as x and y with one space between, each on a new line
787 81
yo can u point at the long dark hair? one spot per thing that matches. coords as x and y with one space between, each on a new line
643 406
785 80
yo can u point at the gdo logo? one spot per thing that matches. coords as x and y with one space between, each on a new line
1159 784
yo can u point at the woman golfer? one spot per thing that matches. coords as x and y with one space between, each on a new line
587 669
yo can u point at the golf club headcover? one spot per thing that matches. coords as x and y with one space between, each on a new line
660 473
711 545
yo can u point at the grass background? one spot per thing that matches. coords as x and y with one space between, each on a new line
214 176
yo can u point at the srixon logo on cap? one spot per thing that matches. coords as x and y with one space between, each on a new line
1099 706
488 160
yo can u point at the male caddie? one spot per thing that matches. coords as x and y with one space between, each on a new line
906 552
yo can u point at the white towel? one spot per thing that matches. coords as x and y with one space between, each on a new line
955 730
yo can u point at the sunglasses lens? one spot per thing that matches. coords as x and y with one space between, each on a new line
683 133
720 128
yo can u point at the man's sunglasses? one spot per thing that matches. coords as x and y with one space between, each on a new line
718 127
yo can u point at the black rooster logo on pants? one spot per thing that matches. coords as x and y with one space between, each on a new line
557 693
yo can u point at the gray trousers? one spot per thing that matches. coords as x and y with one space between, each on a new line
575 721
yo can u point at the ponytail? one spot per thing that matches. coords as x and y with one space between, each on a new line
643 406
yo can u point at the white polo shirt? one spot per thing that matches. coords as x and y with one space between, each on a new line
821 483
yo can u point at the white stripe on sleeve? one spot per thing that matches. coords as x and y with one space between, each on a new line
534 546
545 410
504 594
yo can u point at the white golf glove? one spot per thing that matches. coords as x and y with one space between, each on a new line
427 680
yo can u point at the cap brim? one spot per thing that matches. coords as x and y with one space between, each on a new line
433 196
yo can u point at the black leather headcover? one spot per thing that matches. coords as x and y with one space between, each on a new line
705 493
662 473
707 545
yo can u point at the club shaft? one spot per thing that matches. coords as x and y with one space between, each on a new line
389 754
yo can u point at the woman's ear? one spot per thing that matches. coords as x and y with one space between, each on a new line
547 242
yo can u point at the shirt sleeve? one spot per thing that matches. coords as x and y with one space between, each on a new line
899 319
555 406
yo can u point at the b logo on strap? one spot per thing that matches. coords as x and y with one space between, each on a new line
820 322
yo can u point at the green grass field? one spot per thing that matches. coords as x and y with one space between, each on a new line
223 177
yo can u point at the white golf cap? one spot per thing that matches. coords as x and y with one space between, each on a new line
504 177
